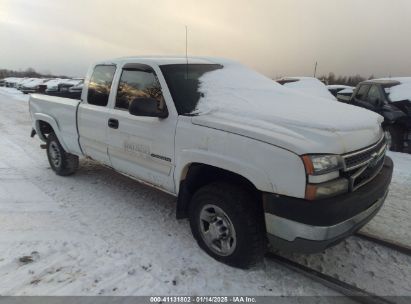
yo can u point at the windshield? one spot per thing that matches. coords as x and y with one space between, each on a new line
183 82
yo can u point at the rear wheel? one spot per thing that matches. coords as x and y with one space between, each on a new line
393 136
61 162
228 225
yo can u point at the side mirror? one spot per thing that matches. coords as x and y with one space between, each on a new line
147 106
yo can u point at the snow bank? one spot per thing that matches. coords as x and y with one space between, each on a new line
238 91
311 86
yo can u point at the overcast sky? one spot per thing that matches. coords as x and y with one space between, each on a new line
276 37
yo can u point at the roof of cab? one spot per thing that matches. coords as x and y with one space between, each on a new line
381 81
163 60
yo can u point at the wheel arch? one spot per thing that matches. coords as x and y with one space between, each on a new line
195 175
44 125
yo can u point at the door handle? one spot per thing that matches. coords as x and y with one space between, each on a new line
113 123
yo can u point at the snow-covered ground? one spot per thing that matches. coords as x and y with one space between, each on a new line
98 232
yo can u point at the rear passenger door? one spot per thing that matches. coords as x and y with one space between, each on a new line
93 114
141 146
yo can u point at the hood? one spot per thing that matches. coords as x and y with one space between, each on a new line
241 101
294 137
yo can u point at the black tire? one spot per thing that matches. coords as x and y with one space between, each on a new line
244 213
67 164
396 138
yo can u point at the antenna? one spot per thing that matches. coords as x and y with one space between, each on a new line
186 52
315 68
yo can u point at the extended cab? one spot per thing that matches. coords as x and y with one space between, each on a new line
251 162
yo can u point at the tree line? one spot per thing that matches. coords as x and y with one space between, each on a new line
30 72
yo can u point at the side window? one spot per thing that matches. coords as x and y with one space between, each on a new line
100 85
362 92
138 83
374 96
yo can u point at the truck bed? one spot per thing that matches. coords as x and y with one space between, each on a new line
61 114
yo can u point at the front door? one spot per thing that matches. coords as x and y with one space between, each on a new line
140 146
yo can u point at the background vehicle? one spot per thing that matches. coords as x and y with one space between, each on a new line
62 88
307 85
336 88
345 95
245 166
390 98
32 86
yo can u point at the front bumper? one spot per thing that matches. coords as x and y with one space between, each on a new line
310 226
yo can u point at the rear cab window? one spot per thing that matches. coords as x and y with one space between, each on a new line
138 81
100 85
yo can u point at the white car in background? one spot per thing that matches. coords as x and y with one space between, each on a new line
52 84
32 86
336 88
345 94
307 85
23 81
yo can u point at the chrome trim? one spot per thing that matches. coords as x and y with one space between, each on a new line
290 230
354 177
363 150
345 156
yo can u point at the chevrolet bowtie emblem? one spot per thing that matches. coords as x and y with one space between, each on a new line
374 160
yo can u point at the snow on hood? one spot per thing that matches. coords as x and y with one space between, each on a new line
401 91
241 93
310 86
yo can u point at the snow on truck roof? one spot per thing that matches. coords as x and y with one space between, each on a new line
163 60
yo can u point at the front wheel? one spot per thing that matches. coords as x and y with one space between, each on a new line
228 224
61 162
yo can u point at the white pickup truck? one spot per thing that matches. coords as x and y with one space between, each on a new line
253 164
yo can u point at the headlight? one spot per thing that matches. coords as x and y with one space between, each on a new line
323 176
320 164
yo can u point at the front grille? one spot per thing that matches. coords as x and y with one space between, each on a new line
357 159
362 166
368 174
